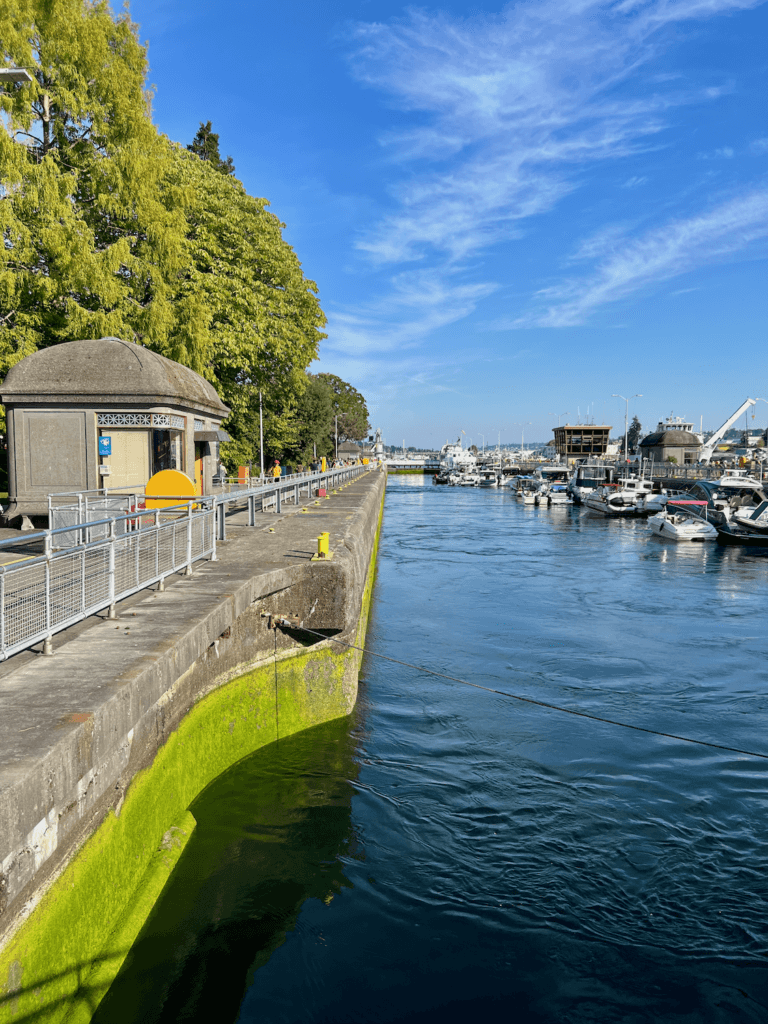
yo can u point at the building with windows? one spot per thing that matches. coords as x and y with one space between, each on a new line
582 441
680 445
108 413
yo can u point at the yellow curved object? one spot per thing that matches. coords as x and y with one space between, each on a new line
168 487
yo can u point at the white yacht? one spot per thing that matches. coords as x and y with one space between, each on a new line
551 485
488 477
525 489
469 479
587 477
626 497
682 520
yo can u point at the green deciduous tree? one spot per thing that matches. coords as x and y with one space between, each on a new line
248 318
349 406
93 234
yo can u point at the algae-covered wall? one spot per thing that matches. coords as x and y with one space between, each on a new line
58 963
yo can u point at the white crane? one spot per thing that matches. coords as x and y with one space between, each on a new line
706 451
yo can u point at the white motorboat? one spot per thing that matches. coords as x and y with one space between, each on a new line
488 478
625 498
558 495
525 489
587 477
682 520
754 520
734 492
469 479
454 462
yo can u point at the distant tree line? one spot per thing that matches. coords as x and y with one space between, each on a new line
110 228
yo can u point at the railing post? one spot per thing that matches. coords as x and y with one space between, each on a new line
214 556
222 522
188 569
278 504
112 613
48 642
157 541
2 610
252 510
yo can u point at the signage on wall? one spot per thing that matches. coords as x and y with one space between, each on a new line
105 446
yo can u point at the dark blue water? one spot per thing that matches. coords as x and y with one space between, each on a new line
447 852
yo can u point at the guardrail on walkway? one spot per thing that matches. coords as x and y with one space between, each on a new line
109 559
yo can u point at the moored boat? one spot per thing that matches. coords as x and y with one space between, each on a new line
682 520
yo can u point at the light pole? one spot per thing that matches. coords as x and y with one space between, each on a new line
626 420
261 435
522 437
483 437
559 414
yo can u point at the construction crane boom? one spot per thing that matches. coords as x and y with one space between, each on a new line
706 451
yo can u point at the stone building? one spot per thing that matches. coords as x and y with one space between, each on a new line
108 413
681 445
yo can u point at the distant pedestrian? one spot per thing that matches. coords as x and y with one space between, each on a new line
276 470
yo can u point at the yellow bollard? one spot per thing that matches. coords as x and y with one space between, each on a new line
323 553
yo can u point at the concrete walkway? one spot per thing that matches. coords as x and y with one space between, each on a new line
67 722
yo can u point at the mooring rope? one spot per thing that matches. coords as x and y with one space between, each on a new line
537 703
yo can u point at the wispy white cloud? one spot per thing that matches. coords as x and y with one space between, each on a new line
416 304
635 181
759 146
723 153
511 108
733 228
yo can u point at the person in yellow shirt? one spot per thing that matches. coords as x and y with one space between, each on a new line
276 471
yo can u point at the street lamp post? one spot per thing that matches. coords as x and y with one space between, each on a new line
522 437
626 421
559 414
483 437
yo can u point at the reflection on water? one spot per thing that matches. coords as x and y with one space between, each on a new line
271 833
487 857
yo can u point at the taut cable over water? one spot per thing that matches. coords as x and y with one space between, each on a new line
541 703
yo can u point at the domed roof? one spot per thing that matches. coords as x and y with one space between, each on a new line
106 370
671 439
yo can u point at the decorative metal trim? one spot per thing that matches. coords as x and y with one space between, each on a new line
140 419
123 419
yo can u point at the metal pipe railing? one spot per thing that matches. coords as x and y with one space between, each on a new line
119 555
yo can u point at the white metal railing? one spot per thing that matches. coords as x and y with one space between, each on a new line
85 566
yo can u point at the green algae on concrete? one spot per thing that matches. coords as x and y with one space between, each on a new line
63 958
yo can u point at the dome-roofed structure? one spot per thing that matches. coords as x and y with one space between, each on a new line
85 415
681 445
111 370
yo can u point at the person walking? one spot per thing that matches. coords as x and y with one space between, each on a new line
276 470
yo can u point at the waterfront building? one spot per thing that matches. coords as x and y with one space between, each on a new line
86 415
581 441
681 445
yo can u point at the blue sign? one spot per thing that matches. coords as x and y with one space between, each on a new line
105 446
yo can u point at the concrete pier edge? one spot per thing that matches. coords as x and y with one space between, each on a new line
66 944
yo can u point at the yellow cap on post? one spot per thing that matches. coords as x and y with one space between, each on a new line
323 553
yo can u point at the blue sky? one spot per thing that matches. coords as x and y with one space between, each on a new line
511 210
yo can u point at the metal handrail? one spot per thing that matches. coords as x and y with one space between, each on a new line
48 592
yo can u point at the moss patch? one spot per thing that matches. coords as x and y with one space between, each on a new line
62 960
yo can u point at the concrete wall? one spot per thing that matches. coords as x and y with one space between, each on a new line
117 734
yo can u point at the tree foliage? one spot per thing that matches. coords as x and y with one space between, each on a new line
111 229
206 145
350 408
93 236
